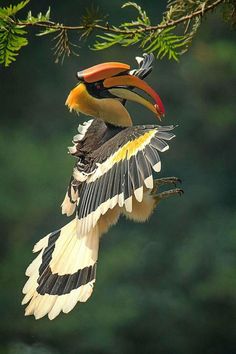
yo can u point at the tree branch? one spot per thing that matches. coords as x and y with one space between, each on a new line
117 30
163 39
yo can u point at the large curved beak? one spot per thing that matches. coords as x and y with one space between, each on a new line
117 86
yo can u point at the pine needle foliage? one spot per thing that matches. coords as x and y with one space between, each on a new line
92 16
63 47
169 38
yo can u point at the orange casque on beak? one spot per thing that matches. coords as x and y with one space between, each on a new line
134 81
102 71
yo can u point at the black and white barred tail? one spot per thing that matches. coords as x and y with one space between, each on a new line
63 273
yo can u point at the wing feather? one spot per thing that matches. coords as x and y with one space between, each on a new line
121 168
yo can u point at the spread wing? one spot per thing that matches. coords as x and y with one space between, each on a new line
118 171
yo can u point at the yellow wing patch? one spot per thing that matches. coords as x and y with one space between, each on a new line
130 148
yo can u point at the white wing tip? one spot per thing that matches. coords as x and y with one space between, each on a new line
157 167
149 182
72 149
128 204
165 148
139 194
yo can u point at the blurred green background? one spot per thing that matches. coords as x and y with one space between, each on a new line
168 286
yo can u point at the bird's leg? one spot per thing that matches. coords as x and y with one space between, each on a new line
166 194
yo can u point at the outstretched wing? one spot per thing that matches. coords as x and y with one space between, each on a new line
118 171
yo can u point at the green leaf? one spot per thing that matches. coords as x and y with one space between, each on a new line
12 35
11 10
166 43
47 31
109 40
12 39
144 19
39 18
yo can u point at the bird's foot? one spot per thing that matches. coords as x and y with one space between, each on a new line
164 181
166 194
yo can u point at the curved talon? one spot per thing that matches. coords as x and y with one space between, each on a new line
180 191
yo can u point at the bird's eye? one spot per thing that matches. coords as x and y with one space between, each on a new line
95 88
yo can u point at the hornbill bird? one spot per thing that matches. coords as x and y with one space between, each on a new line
113 175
